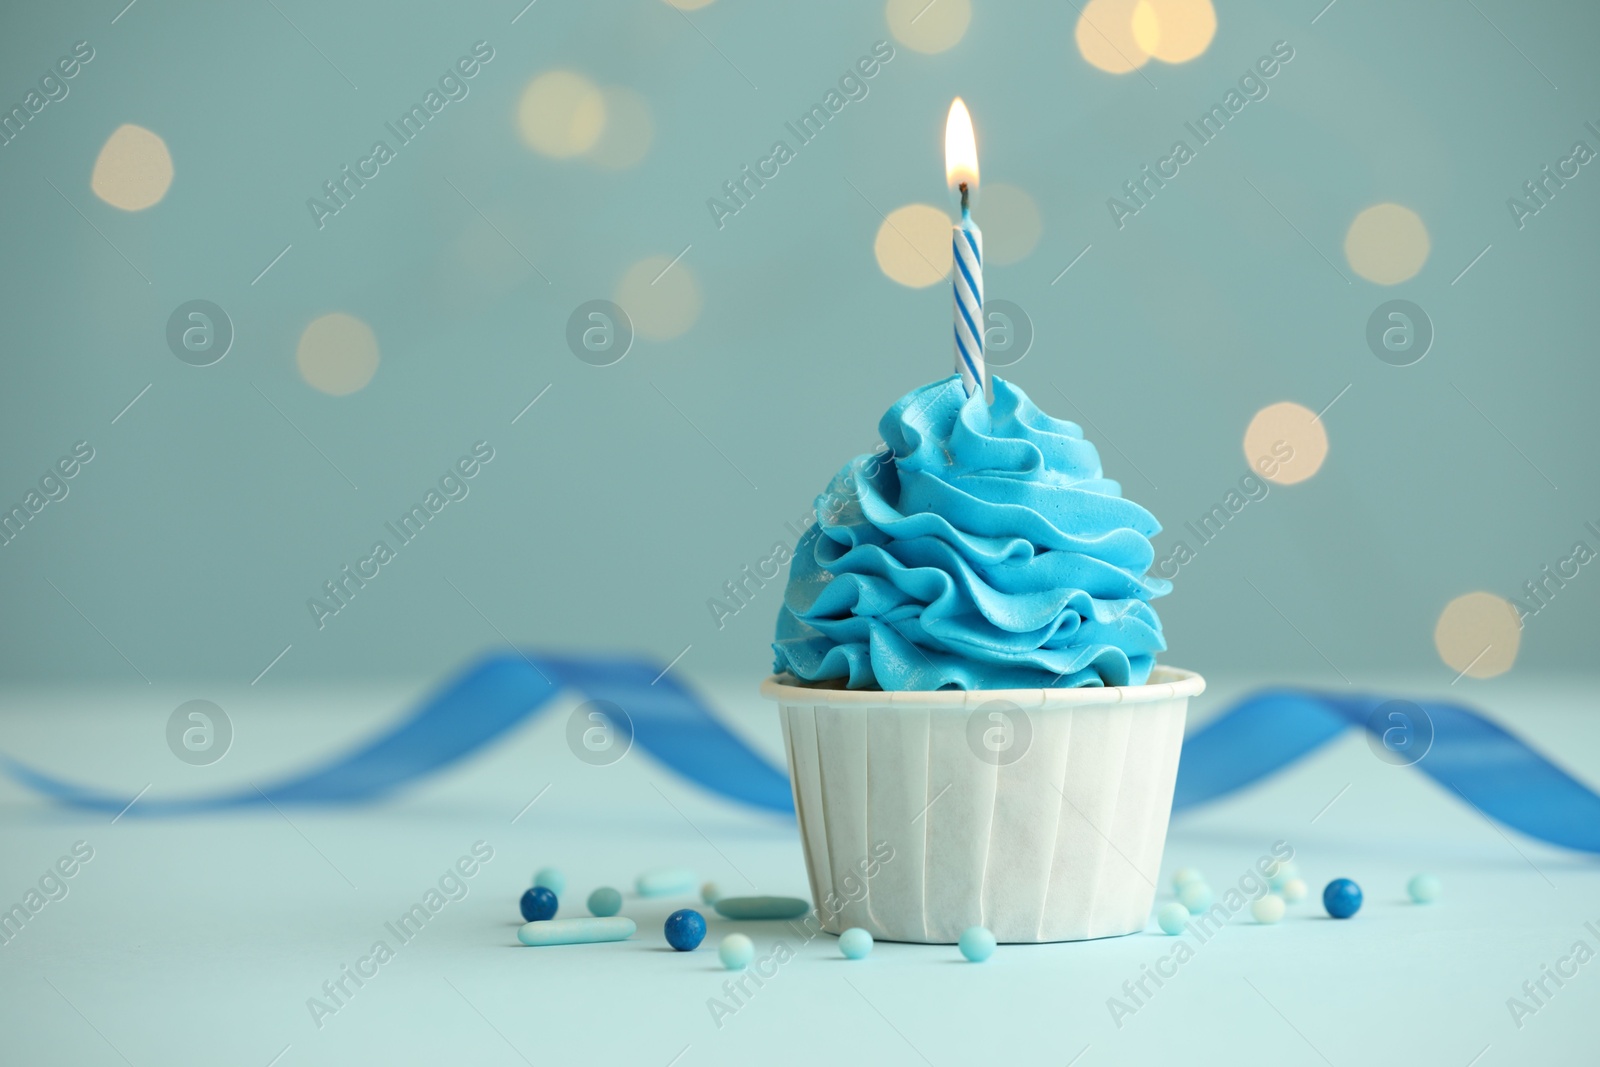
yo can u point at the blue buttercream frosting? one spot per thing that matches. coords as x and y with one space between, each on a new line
984 550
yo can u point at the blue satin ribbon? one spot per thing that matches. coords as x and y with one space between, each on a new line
1474 758
668 720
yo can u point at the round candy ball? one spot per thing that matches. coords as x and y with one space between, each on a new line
735 951
1342 898
1196 897
1282 871
551 879
685 929
1269 909
1183 876
1171 917
977 944
539 904
710 892
605 902
855 943
1294 890
1423 889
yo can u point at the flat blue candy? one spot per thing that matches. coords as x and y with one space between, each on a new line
605 901
552 879
685 929
577 931
977 944
665 882
855 943
761 907
539 904
1342 898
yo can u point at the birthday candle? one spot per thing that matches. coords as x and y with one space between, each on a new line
961 171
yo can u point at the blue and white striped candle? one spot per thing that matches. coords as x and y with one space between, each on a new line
961 170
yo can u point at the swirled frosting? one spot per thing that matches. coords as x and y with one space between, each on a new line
984 550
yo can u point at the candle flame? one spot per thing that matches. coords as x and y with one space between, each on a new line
960 149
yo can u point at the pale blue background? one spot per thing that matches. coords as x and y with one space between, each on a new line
195 537
192 541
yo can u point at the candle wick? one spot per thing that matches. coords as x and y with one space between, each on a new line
964 208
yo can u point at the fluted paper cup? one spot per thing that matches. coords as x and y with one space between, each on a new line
1038 813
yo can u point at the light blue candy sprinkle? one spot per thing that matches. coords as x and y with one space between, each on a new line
1171 917
977 944
576 931
1285 871
605 902
710 892
1423 889
1196 897
552 879
1183 876
855 943
736 951
665 881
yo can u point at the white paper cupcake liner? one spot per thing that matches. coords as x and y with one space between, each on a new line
1038 813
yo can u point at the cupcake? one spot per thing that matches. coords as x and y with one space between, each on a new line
976 728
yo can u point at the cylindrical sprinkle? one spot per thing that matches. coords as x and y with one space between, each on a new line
761 907
577 931
665 881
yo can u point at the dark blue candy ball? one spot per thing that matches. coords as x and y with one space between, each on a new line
538 904
1342 898
685 929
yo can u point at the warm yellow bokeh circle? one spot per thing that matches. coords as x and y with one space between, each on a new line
133 170
337 354
561 114
628 130
1174 31
1011 224
660 296
1478 634
928 26
1119 36
1285 443
1387 244
913 245
1105 36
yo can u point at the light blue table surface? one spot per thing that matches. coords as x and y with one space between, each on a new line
200 940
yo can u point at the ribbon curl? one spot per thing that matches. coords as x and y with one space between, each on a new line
1473 757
